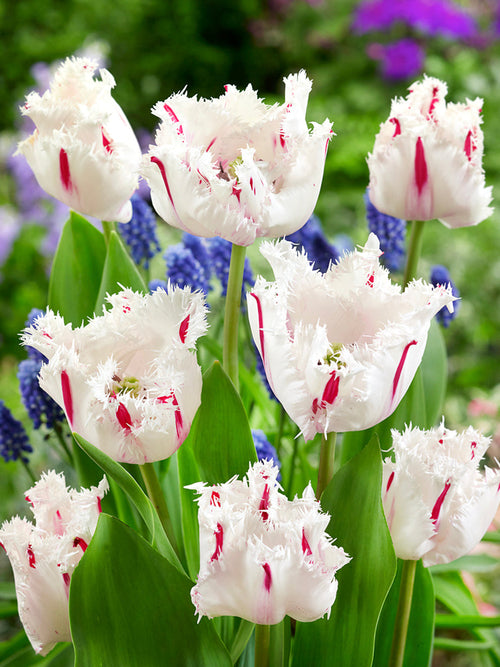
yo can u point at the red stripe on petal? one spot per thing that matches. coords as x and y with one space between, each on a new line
264 504
31 556
66 578
215 499
439 503
268 579
106 142
397 126
389 481
64 171
163 173
261 326
99 506
67 397
399 369
183 329
306 548
219 542
421 173
78 542
124 418
173 118
331 389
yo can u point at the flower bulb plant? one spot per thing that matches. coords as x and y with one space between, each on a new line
263 556
83 150
340 349
427 159
128 380
44 555
437 501
235 167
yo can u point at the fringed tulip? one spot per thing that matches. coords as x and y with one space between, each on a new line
340 349
437 502
43 556
83 150
427 159
128 381
235 167
263 556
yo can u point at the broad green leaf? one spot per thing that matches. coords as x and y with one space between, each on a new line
18 652
410 410
472 563
128 484
419 640
434 370
130 606
76 270
119 271
358 525
189 474
220 435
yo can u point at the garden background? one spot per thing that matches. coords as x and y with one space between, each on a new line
358 64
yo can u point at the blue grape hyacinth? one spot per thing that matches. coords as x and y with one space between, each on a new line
312 239
391 233
264 449
441 276
41 408
140 232
220 257
14 443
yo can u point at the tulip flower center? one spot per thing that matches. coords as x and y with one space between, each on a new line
127 385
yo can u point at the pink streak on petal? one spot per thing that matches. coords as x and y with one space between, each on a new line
67 396
397 126
439 503
78 542
469 146
421 173
67 578
261 326
28 500
173 118
315 406
264 503
31 556
389 481
210 145
236 192
99 506
215 499
124 418
434 101
106 142
371 280
183 329
3 547
399 369
473 446
331 390
64 171
219 540
268 580
161 167
306 548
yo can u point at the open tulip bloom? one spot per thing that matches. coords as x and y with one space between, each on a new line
340 349
83 150
235 167
427 159
43 556
128 381
263 556
437 502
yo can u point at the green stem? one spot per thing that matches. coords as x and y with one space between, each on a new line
107 228
279 434
62 441
326 461
403 613
414 251
262 641
232 313
292 466
156 496
241 639
28 470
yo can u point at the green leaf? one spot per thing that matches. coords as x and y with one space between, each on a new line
128 484
76 270
471 563
358 525
419 640
434 370
220 435
189 474
119 271
130 606
410 410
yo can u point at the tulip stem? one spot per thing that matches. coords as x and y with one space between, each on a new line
232 313
107 229
326 461
156 496
414 251
262 643
403 613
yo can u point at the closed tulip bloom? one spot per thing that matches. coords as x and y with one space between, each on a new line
263 556
437 502
128 381
427 159
340 349
235 167
43 556
83 150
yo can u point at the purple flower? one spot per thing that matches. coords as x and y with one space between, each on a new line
140 232
183 269
311 238
403 59
14 441
440 276
220 257
41 408
265 451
